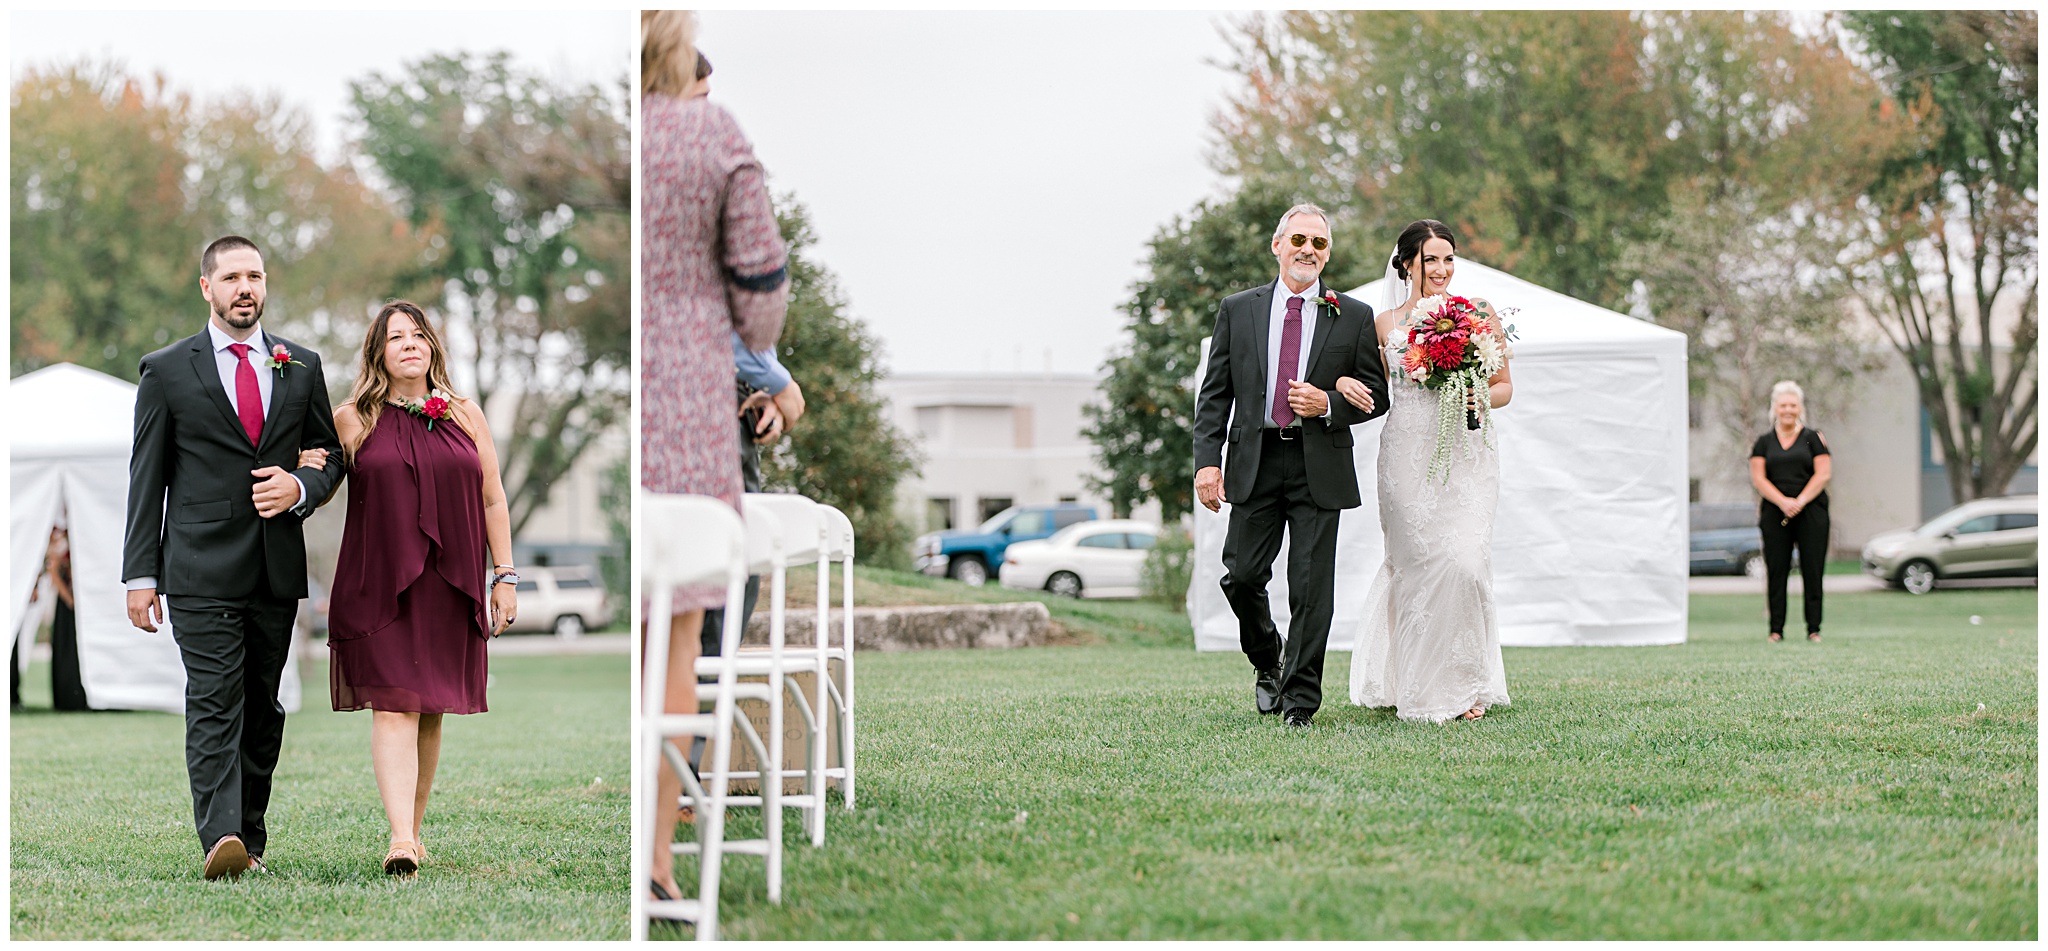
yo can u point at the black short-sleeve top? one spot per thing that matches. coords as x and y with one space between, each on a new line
1790 469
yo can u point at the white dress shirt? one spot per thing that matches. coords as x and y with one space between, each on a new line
1276 377
227 363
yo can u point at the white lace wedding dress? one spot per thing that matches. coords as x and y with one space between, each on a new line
1429 645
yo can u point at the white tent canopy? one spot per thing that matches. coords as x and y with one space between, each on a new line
1590 537
70 433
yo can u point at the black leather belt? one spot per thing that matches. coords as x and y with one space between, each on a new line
1285 434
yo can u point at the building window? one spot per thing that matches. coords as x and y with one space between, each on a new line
1069 499
1693 490
938 514
990 507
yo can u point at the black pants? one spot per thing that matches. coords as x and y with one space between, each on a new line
1809 531
234 651
750 480
67 681
1280 498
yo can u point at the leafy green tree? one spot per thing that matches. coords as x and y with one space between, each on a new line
844 452
523 187
1143 428
1952 230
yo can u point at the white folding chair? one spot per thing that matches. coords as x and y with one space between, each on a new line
802 538
689 540
764 556
838 547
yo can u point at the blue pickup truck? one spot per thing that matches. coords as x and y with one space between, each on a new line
972 555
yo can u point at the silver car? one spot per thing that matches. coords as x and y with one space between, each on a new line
1977 539
564 599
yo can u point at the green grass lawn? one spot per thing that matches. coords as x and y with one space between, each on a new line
1880 785
527 826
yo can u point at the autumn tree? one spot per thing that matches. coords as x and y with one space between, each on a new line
103 263
1541 138
119 183
1950 268
523 187
844 452
1142 423
1782 134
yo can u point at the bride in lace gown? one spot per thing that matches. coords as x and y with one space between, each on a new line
1429 645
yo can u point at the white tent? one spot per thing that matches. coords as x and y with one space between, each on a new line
70 433
1590 537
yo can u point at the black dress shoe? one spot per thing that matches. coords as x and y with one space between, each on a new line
1266 691
1296 718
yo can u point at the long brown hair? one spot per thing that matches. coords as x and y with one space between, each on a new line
373 379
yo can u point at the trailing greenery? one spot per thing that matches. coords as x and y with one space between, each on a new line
526 831
1726 788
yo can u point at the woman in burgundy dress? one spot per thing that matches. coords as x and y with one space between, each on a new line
712 263
410 617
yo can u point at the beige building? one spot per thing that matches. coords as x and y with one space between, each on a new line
993 440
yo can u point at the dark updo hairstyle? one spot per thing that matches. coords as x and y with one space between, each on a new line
1409 244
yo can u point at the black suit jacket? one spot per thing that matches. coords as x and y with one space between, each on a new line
191 463
1344 344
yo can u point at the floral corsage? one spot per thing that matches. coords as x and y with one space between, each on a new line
279 358
434 407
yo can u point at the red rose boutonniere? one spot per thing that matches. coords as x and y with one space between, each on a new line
434 407
279 358
1330 300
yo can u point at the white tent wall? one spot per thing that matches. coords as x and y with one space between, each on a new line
70 443
1590 534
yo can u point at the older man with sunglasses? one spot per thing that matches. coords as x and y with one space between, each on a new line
1270 394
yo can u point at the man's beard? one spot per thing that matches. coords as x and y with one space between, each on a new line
227 314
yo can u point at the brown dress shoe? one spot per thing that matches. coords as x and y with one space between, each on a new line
227 857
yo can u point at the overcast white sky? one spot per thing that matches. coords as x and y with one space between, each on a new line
309 58
982 184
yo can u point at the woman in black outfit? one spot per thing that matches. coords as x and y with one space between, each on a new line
1790 467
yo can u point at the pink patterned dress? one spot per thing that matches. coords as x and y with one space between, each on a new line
711 262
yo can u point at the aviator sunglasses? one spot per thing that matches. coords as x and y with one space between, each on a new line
1301 239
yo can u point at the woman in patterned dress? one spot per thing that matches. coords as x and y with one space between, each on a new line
711 262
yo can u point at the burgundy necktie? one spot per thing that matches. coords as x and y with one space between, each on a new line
248 399
1290 363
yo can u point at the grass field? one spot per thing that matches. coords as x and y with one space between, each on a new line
527 828
1880 785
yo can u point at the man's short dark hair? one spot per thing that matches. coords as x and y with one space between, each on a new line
228 243
703 65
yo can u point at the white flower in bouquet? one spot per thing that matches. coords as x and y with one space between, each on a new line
1491 353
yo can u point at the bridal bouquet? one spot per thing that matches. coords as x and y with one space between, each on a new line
1451 349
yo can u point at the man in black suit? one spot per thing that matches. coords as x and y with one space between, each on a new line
1270 393
215 512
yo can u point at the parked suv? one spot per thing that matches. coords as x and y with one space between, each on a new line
565 599
1981 538
972 555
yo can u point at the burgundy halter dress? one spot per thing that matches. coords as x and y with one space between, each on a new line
408 617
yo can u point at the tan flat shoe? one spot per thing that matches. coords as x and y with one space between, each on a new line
403 859
227 857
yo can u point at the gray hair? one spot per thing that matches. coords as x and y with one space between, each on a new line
1781 388
1302 209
